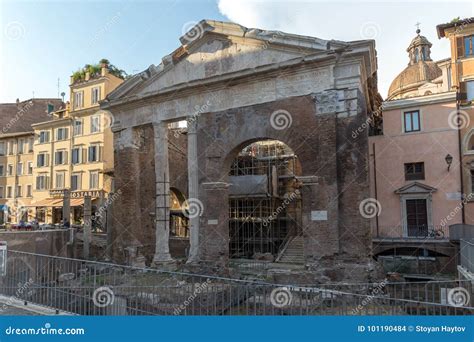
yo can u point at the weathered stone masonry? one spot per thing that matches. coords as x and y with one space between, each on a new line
327 87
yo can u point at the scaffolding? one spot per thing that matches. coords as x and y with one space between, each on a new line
261 220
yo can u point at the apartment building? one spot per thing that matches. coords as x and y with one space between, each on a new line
74 149
16 156
460 33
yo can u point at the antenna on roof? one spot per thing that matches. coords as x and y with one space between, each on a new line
62 95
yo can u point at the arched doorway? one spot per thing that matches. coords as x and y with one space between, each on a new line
264 200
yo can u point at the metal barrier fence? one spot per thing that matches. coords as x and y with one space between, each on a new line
93 288
467 255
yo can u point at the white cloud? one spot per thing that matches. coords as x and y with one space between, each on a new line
392 25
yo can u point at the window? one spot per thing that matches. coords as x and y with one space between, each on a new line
30 168
19 169
76 155
61 133
30 145
60 180
2 170
468 51
43 137
414 171
95 95
42 182
9 192
95 123
42 160
411 121
21 146
94 180
94 153
78 99
75 182
10 170
2 148
60 158
19 191
11 147
1 192
28 191
50 108
78 127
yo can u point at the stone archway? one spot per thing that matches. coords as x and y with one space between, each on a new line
264 200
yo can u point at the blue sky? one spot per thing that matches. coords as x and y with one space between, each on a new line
42 41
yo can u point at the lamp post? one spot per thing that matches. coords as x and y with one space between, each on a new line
449 160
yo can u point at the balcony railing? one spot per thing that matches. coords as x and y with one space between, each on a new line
412 232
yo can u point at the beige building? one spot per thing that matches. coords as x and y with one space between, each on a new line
16 156
74 150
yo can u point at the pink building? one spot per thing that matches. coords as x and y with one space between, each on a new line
414 163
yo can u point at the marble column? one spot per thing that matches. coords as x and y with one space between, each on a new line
162 206
193 188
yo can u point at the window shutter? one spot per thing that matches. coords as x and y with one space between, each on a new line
37 183
46 160
462 94
65 157
84 156
100 150
66 133
46 182
460 46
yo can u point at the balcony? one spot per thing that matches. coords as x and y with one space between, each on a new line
411 233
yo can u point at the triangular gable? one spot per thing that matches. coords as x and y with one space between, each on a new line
213 48
415 188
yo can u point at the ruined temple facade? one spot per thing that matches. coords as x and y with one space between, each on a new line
235 87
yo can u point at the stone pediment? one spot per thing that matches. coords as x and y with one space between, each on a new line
415 188
212 49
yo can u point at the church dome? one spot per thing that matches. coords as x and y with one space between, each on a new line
420 70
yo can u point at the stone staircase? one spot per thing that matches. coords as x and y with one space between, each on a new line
294 252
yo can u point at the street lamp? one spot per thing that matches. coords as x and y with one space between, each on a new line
449 160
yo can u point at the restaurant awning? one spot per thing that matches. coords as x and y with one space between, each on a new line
49 202
76 202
